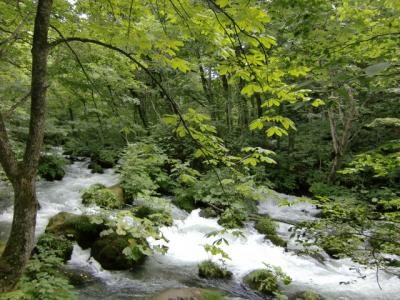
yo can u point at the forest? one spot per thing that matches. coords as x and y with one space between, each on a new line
199 149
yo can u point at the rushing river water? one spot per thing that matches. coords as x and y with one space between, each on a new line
337 279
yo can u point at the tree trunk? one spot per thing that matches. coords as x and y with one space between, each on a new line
22 174
21 240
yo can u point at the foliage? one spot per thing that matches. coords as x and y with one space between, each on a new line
51 244
51 167
141 170
267 280
100 195
211 270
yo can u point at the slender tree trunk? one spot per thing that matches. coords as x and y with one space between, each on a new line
228 105
22 174
341 141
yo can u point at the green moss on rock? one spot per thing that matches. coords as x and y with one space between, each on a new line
109 252
267 226
308 295
189 294
211 270
51 167
79 228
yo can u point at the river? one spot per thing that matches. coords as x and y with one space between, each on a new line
337 279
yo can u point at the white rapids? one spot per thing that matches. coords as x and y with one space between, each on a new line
337 279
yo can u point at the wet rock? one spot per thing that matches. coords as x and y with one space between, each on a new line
307 295
78 278
208 212
189 294
95 167
79 228
108 251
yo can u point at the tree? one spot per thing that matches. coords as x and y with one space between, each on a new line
22 174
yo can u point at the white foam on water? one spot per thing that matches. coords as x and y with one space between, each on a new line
65 195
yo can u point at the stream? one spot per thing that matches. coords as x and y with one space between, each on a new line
336 279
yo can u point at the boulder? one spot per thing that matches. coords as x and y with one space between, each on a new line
189 294
307 295
109 252
79 228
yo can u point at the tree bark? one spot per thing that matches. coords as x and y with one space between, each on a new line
22 174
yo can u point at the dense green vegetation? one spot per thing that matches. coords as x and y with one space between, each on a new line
210 103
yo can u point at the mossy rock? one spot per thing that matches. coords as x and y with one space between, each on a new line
108 251
79 228
159 217
2 247
51 167
95 167
267 226
208 213
102 196
189 294
53 244
185 202
263 281
210 270
77 278
308 295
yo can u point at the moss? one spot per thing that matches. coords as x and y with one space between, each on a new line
185 202
51 167
95 167
267 226
308 295
263 281
189 293
51 244
108 251
211 270
79 228
100 195
208 294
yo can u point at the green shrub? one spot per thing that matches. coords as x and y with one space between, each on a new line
267 226
263 281
51 167
55 245
211 270
267 280
232 218
159 217
100 195
142 170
